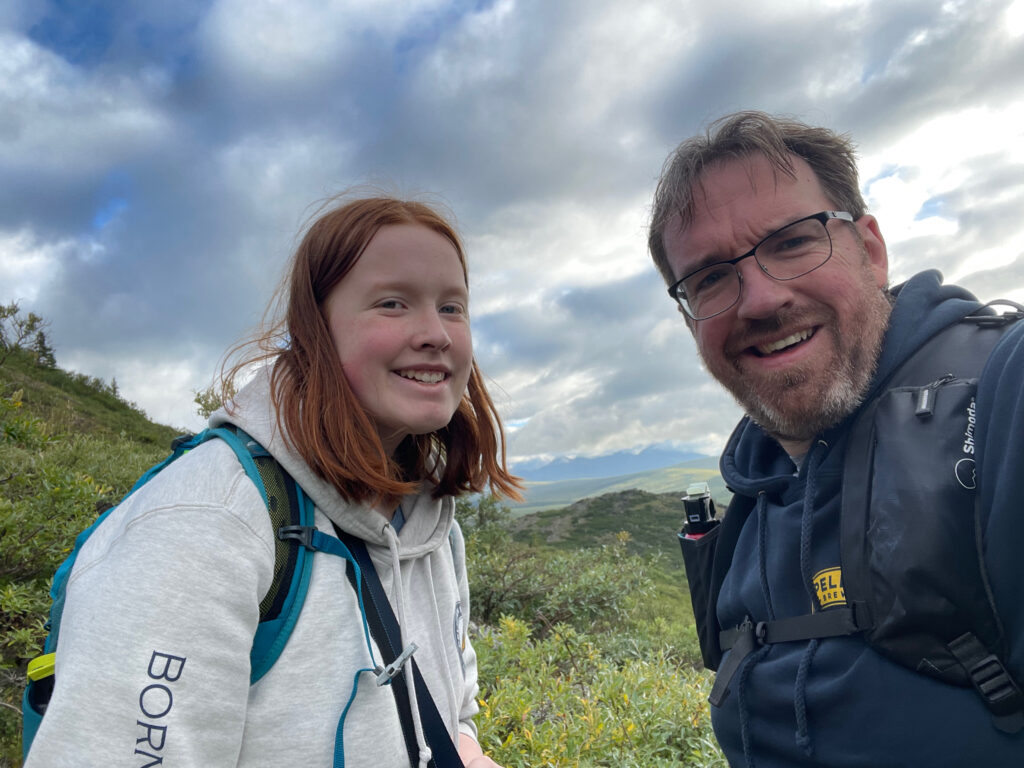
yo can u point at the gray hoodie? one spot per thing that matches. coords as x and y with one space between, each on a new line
153 656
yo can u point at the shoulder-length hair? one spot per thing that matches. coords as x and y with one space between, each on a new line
317 409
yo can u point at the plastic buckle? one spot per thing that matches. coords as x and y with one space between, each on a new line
995 685
996 321
761 632
183 443
301 533
386 674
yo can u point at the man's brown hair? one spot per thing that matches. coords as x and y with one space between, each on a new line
734 137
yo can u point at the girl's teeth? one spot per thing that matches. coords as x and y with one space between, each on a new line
428 377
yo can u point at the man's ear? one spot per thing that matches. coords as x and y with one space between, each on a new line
874 244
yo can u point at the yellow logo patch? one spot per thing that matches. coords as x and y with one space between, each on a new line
828 586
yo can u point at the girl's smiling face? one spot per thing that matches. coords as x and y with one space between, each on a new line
400 324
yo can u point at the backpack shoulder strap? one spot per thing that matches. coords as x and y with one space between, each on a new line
961 349
287 505
957 353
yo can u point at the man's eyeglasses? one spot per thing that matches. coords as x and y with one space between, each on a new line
787 253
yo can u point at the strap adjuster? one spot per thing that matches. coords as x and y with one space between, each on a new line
761 632
386 674
301 533
991 680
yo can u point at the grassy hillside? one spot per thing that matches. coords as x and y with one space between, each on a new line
589 659
69 447
674 479
651 520
72 403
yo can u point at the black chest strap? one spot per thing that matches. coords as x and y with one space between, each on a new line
989 677
384 628
750 635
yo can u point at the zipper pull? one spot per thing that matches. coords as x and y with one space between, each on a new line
926 397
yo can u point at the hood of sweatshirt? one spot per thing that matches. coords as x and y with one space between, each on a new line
427 520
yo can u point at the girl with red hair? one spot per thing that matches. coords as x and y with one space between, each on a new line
369 397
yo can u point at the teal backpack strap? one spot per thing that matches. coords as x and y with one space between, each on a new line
287 506
40 684
179 447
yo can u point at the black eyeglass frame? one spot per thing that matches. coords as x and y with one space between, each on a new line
823 216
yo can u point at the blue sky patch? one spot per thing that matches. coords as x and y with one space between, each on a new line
931 207
78 30
108 212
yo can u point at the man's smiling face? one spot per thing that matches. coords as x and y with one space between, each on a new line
798 355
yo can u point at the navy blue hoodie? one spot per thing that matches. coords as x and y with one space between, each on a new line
834 701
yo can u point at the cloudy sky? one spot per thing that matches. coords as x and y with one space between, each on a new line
158 159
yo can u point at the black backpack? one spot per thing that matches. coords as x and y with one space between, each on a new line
941 623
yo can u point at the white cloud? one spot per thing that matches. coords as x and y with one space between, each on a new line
27 265
55 117
940 161
1014 18
270 42
485 47
533 247
543 125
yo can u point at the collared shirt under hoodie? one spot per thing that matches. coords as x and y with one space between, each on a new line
177 572
834 701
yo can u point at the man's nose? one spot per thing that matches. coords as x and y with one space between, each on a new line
760 294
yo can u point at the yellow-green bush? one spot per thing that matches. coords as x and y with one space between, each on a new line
581 662
561 701
52 486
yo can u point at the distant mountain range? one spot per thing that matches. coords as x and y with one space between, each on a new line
612 465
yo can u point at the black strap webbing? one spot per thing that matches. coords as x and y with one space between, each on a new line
748 636
990 678
385 631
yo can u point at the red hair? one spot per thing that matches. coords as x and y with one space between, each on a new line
317 409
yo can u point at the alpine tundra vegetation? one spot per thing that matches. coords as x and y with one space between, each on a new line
587 654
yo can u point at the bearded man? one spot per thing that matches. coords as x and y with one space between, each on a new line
760 231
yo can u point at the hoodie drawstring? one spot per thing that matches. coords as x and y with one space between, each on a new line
399 599
803 739
762 552
814 459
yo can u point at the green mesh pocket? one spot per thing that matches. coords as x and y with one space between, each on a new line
284 510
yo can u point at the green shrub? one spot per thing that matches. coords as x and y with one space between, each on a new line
560 701
53 484
587 657
587 588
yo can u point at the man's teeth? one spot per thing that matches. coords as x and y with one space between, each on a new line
428 377
775 346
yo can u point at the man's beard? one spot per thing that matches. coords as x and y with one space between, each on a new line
799 403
